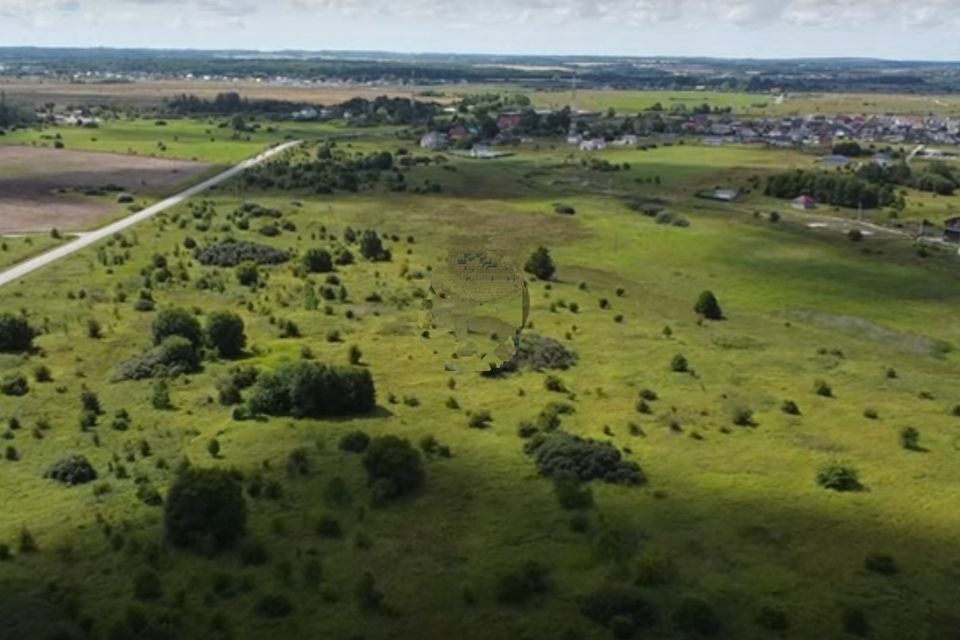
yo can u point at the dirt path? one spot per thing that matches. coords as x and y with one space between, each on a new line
22 269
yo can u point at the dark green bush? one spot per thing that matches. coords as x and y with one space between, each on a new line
708 307
274 606
540 264
610 601
231 253
561 453
173 356
329 527
355 442
910 439
571 492
839 477
175 321
225 333
72 470
312 390
773 619
790 407
14 384
679 364
317 261
537 353
205 510
394 467
16 334
147 586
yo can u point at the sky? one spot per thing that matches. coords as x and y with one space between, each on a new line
891 29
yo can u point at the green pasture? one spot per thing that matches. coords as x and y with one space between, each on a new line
733 509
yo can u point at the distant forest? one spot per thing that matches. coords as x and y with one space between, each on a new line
836 75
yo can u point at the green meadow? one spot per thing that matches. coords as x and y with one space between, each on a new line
730 515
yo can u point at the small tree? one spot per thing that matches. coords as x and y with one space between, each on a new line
205 510
354 355
248 273
318 261
225 333
371 247
910 439
839 477
540 264
213 448
175 321
161 396
16 334
394 467
708 307
679 364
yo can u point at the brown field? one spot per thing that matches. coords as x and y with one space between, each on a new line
37 186
38 92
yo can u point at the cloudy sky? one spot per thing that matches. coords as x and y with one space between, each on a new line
903 29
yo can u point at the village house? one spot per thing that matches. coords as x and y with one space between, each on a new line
951 230
593 145
805 203
433 140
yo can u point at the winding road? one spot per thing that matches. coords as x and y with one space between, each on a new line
85 240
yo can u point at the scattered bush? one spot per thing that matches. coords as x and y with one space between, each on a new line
540 264
205 510
679 364
247 273
72 470
790 408
329 527
174 356
708 307
355 442
821 388
560 453
480 420
14 384
394 467
910 439
318 261
839 477
608 603
274 606
521 585
772 619
855 622
537 353
16 334
571 492
371 247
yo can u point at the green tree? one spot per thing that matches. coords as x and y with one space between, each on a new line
708 307
175 321
540 264
205 510
225 333
394 467
371 247
16 334
248 273
318 261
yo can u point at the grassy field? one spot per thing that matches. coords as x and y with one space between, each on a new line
17 248
731 514
187 139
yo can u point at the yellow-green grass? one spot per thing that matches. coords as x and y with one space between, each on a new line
16 248
738 513
186 139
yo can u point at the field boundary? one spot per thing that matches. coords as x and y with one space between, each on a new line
16 272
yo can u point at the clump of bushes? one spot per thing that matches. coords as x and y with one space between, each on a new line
881 563
173 356
72 470
560 454
355 442
537 353
394 467
318 261
230 253
14 384
205 510
618 607
225 333
313 390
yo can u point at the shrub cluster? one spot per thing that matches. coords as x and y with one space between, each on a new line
16 334
72 470
205 510
394 467
230 253
560 454
313 390
537 353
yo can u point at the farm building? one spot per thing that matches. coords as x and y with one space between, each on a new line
723 195
951 230
433 140
805 203
593 145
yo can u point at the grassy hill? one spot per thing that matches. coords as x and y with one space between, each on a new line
731 514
